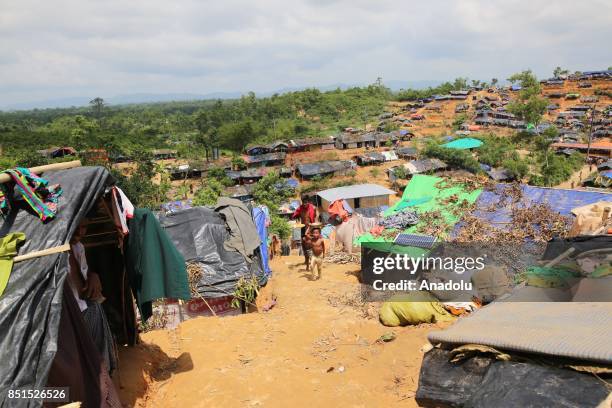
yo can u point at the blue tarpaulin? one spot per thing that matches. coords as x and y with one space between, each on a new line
293 183
562 201
260 217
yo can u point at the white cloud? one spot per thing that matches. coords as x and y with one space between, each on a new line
65 48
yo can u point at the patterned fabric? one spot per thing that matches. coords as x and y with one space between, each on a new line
33 189
101 334
400 220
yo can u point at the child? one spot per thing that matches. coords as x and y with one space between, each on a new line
307 248
317 246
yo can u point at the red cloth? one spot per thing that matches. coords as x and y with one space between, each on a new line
377 230
305 207
336 208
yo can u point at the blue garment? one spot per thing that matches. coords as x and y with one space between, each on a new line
259 217
326 231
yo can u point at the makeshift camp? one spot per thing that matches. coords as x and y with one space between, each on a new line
45 340
240 192
201 235
427 201
310 144
57 152
369 158
267 159
357 196
163 154
418 166
324 168
406 152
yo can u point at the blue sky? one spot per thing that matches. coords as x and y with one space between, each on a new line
64 48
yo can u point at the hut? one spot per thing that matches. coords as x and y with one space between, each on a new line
357 196
308 171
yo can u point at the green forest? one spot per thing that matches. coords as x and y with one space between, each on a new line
194 127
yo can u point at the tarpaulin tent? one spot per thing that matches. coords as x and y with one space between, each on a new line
489 208
324 168
260 218
463 144
483 380
33 306
423 194
199 234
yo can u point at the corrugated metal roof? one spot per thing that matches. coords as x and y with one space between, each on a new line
355 191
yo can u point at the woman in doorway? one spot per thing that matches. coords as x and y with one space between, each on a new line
87 290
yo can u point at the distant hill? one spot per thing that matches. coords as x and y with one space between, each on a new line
125 99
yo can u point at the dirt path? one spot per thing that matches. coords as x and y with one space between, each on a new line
576 178
316 346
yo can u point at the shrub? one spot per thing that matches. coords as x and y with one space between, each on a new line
453 157
280 227
208 193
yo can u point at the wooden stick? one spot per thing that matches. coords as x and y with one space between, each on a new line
42 252
5 178
559 258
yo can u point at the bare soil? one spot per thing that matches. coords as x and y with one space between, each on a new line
316 347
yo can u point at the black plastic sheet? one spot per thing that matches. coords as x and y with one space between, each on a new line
485 382
31 305
199 233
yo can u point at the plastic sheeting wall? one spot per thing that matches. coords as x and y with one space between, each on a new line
199 234
31 305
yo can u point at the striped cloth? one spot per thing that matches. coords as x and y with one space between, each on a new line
35 190
97 326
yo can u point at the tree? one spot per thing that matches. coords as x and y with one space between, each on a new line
272 190
558 72
182 191
208 193
456 158
529 106
97 105
494 81
207 135
238 163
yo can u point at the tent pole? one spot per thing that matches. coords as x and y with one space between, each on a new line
43 252
5 178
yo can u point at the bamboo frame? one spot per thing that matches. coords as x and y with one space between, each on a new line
5 178
42 252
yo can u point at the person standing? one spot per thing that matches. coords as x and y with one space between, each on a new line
317 247
306 213
87 290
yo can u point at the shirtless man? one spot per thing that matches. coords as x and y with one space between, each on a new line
317 246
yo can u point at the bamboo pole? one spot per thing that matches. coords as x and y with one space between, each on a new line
42 252
4 178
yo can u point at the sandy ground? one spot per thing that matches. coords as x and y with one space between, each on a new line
578 177
317 346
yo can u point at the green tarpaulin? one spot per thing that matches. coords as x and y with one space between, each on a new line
420 188
8 250
156 269
463 144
